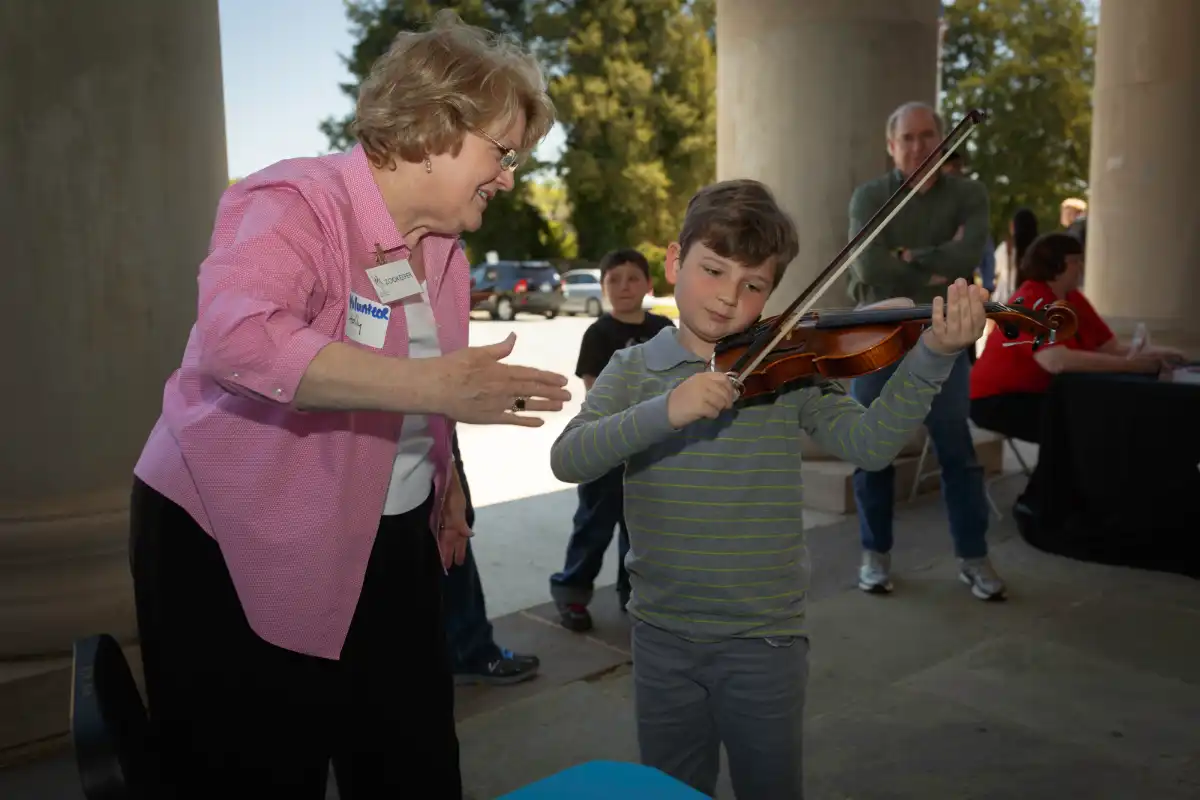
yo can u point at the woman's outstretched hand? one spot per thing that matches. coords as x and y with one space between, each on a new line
476 388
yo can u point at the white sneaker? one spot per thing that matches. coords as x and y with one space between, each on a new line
874 574
980 575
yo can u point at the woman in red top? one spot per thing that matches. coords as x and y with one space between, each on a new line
1009 380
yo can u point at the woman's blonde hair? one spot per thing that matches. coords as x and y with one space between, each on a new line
433 87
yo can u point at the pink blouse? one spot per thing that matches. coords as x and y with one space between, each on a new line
293 498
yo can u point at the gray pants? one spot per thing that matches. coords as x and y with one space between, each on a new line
746 693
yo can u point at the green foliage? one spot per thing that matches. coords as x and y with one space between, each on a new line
512 226
635 87
548 194
1030 64
657 256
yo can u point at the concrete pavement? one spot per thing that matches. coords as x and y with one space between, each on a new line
516 550
1085 684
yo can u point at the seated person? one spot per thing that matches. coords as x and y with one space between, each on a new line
1009 381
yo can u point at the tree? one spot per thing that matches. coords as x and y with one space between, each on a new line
512 226
549 195
635 88
1030 64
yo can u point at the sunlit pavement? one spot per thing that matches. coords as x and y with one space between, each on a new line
519 545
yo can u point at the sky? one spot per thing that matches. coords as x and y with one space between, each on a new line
282 68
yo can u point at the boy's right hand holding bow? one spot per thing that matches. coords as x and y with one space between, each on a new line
702 396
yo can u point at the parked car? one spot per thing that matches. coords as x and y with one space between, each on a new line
582 293
505 288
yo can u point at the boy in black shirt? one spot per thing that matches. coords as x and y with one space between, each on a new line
625 276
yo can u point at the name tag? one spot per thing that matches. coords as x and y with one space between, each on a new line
394 281
367 321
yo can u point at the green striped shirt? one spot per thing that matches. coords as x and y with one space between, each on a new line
714 510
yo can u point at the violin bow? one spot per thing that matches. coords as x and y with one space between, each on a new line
791 316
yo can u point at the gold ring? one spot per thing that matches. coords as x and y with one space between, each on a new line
518 404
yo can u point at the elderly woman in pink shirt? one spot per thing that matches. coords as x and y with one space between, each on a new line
296 502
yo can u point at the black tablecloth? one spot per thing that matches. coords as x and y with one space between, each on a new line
1121 455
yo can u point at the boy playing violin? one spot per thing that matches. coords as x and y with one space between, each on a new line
713 497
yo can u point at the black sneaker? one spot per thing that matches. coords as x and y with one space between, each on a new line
575 617
505 669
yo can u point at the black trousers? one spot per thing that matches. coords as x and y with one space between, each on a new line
1017 416
234 716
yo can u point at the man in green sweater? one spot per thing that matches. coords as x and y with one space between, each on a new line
934 240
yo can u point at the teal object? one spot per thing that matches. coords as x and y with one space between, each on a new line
605 780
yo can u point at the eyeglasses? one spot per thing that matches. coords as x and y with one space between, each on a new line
509 159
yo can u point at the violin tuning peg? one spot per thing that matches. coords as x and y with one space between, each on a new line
1010 331
1053 335
1038 341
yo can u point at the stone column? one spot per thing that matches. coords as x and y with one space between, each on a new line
1143 243
804 89
112 159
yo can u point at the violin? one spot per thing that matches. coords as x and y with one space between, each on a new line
788 350
849 343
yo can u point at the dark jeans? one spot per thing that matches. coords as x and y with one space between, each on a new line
962 474
1017 416
233 715
601 509
469 635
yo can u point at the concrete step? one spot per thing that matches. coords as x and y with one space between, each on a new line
829 484
35 695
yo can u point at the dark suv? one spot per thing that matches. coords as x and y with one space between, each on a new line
506 287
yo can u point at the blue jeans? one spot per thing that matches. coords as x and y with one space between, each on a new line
962 474
469 636
601 509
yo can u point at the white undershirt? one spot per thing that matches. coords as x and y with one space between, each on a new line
412 469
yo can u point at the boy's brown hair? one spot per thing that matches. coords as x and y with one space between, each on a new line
615 258
740 220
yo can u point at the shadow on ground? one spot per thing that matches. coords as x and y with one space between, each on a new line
1086 683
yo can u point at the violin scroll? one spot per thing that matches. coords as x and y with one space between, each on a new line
1061 319
1054 321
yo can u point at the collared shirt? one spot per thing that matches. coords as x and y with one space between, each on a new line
715 509
293 498
926 227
